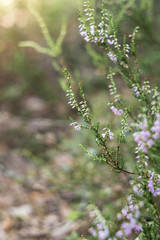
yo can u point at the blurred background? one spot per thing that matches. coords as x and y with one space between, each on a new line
47 181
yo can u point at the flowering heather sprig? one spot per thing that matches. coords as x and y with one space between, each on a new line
140 213
154 183
146 137
156 127
136 90
82 107
145 129
100 139
130 215
99 227
108 134
112 56
76 126
116 111
132 36
112 86
155 103
101 34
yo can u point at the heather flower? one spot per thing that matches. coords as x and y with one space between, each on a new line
116 111
124 211
119 216
99 226
131 208
108 133
144 137
157 192
150 143
92 231
77 127
103 234
151 186
110 42
135 188
138 227
92 29
146 185
119 234
112 57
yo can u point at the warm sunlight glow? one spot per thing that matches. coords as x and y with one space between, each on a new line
6 2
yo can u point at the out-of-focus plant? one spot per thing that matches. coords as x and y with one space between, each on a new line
54 48
140 214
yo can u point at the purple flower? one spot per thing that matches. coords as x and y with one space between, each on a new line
131 208
103 234
157 192
110 42
92 31
119 234
129 199
99 226
129 216
119 216
116 111
77 128
127 228
124 212
103 135
145 135
140 193
150 186
138 227
150 143
158 179
135 188
87 39
92 231
112 57
83 34
109 133
120 111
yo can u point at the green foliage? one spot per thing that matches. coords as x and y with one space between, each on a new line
127 68
146 122
54 48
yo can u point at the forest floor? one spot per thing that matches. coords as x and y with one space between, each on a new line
45 188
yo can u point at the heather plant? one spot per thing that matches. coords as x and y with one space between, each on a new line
138 129
139 216
54 47
128 14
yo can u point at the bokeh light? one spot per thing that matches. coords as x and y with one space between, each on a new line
6 3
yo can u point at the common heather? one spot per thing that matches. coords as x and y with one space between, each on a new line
140 216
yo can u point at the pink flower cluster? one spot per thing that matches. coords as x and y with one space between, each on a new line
100 229
156 127
131 215
153 185
112 57
143 137
116 111
108 134
136 90
146 138
76 126
98 34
